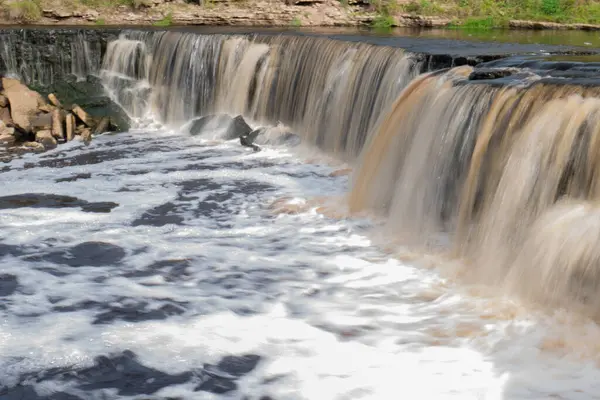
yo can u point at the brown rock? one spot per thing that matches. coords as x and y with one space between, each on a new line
70 126
34 146
6 139
58 14
57 124
3 101
83 116
54 100
5 116
46 139
23 102
46 108
86 136
102 125
41 122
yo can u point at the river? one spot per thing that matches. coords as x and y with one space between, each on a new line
155 264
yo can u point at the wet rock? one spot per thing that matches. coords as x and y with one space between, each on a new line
46 139
278 135
209 122
248 140
488 73
237 128
102 126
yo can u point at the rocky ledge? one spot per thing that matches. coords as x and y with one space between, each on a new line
306 13
32 122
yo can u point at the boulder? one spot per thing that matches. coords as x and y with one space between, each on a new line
70 126
5 116
206 122
102 126
46 139
57 125
278 135
83 116
54 100
34 146
24 102
86 136
237 128
41 122
6 139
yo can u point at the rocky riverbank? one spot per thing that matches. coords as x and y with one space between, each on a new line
288 13
32 122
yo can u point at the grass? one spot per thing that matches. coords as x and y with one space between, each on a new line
296 22
487 14
25 10
166 21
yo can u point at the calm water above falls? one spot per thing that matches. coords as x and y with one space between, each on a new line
150 264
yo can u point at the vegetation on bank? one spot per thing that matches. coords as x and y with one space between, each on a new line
470 14
485 14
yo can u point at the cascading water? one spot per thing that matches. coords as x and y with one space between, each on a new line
331 92
484 164
44 58
149 265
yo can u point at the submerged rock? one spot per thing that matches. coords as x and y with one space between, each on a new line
237 128
278 135
209 121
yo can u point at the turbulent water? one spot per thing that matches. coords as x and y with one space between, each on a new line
154 264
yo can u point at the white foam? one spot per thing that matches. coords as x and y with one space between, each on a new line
330 314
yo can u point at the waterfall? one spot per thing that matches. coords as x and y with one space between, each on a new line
44 57
506 169
508 172
331 92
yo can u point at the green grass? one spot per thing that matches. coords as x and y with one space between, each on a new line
488 14
296 22
26 10
166 21
383 22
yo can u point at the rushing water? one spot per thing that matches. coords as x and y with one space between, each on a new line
190 266
154 264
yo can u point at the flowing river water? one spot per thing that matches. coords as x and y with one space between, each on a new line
458 260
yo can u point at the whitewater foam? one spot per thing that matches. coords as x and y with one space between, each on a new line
193 266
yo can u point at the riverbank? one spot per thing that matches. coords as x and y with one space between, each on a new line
303 13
